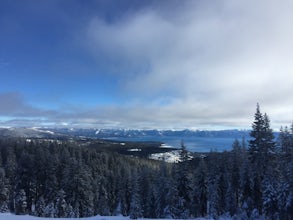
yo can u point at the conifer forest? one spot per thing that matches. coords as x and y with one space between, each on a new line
62 178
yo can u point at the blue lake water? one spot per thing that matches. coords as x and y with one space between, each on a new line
194 144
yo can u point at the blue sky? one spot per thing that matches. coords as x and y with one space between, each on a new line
145 64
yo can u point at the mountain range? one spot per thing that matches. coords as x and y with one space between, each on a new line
40 132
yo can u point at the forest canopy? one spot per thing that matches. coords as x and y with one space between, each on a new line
61 178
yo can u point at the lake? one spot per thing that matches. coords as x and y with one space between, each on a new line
194 144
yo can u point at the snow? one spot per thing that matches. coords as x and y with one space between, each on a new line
134 149
9 216
166 146
170 157
43 131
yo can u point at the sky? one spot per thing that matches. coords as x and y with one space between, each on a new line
145 64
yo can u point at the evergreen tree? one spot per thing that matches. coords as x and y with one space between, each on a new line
4 191
50 210
161 189
10 164
175 208
262 153
285 185
199 201
102 198
135 205
61 204
237 161
125 190
144 182
40 207
246 192
20 202
183 182
262 145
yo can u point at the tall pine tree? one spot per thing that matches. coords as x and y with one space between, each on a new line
261 154
262 145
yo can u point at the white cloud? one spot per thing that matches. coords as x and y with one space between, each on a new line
201 64
216 60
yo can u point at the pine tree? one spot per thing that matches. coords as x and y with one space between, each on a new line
161 189
262 153
102 198
285 185
256 143
135 205
10 164
246 192
199 201
262 145
125 191
50 210
4 191
40 207
270 196
61 204
237 161
20 202
183 182
269 150
175 204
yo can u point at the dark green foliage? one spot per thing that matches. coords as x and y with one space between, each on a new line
136 210
262 147
4 191
62 178
20 202
73 178
183 185
199 191
262 155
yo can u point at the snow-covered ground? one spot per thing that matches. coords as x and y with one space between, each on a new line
170 157
8 216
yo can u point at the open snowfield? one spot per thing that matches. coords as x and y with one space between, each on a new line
8 216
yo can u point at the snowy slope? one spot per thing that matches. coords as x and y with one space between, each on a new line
8 216
170 157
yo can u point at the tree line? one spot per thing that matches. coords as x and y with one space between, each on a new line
53 178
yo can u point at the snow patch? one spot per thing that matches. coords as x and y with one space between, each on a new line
49 132
134 149
169 157
9 216
166 146
43 131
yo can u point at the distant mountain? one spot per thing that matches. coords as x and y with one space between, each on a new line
133 133
41 132
29 133
194 140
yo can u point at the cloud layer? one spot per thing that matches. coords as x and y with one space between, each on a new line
215 61
194 64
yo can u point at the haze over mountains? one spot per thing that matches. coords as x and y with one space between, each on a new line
116 133
195 140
